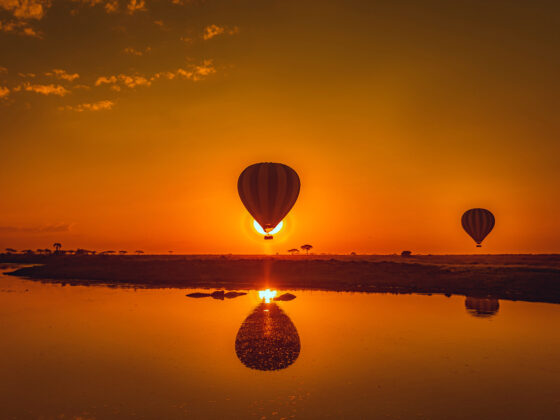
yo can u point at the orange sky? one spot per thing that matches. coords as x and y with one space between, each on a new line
396 117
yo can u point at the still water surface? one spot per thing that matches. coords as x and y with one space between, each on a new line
77 352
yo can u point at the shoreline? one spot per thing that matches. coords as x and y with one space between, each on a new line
533 278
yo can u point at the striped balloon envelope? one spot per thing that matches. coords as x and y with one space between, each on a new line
478 223
268 192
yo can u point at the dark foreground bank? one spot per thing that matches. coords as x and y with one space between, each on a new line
537 281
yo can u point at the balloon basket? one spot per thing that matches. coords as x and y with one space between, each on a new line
479 246
268 237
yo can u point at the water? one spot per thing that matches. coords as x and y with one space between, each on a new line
76 352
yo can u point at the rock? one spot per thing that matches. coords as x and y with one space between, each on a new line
218 294
285 297
231 295
198 295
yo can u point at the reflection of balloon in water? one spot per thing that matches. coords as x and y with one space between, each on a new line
478 223
482 307
267 339
268 192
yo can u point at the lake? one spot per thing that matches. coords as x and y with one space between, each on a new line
97 352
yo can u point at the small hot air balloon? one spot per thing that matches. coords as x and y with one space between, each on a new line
268 191
482 307
478 223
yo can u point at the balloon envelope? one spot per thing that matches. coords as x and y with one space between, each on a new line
268 191
478 223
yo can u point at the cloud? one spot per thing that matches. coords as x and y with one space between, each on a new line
135 6
194 72
23 11
44 89
123 79
133 81
20 27
165 75
105 80
26 9
3 69
112 6
95 106
57 227
214 30
62 74
4 92
198 72
133 51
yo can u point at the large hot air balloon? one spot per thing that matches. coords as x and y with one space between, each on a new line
267 339
478 223
268 191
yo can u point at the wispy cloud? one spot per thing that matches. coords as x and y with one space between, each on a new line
4 92
95 106
57 227
43 89
110 6
130 81
214 30
199 71
194 72
133 51
134 6
62 74
20 27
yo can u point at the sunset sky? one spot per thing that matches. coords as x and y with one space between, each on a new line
125 123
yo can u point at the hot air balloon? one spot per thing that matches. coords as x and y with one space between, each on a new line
267 339
268 192
478 223
482 307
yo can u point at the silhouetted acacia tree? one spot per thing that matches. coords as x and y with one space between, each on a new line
293 251
123 252
306 248
57 246
139 252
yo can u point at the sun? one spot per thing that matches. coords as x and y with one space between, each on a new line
274 231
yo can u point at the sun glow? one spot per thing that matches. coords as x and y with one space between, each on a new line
267 295
274 231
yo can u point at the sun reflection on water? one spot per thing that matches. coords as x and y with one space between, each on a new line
267 295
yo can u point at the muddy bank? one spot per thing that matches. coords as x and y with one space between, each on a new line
517 282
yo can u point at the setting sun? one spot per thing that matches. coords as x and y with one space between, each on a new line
274 231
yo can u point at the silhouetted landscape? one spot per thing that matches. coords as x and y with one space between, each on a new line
514 277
